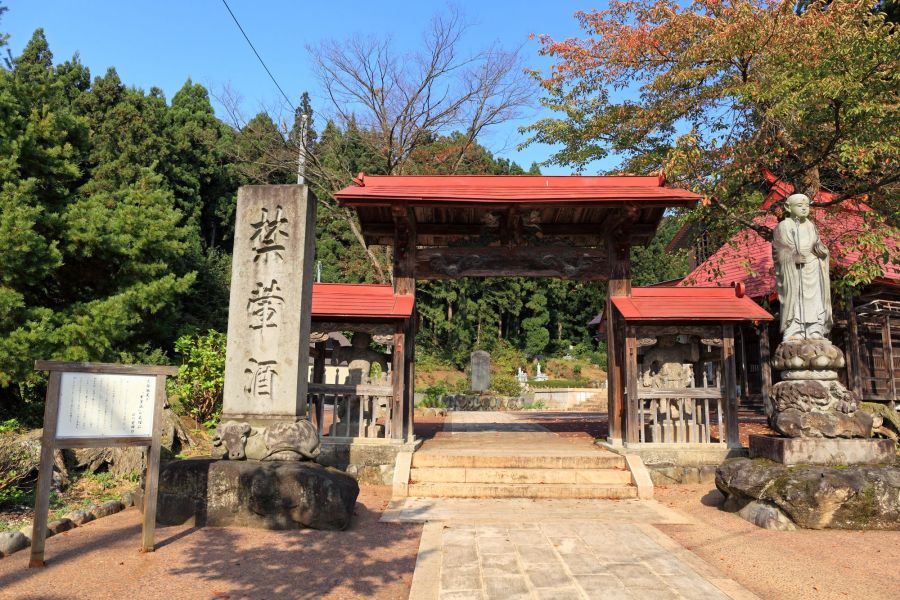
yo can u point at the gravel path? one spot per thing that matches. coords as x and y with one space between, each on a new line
372 560
795 565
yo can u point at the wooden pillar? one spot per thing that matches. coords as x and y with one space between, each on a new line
619 285
744 376
765 366
318 374
405 283
732 433
632 426
854 360
887 353
45 472
398 382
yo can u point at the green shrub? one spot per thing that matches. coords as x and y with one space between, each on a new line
505 385
10 426
201 377
434 395
536 405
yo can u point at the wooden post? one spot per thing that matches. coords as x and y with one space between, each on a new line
398 383
632 427
152 479
887 352
405 283
318 374
619 285
731 403
855 359
744 377
765 365
45 472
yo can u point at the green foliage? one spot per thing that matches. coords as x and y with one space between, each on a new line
111 208
536 405
719 91
10 426
201 376
505 385
433 396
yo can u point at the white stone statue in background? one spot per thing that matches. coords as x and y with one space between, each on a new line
801 272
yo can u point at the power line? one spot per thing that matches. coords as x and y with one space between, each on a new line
261 61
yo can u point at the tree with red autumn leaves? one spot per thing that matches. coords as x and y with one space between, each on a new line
712 92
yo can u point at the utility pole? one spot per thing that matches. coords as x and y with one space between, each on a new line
301 159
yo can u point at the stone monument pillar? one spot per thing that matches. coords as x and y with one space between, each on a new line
480 371
267 357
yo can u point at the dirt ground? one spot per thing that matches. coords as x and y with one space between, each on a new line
785 564
371 560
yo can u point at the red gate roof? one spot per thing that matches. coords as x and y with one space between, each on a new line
688 304
359 301
525 189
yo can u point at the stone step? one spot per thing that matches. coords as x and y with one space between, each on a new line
488 475
521 490
587 460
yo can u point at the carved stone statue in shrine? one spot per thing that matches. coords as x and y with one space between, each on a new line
801 270
664 364
360 358
810 401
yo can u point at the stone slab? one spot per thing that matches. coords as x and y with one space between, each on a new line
822 451
536 563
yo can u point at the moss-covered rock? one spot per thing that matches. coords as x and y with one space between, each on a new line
816 497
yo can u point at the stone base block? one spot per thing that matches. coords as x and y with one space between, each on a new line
822 451
368 460
262 494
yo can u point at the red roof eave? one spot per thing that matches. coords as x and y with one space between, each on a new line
359 301
524 189
688 304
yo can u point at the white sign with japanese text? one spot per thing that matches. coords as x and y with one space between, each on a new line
101 405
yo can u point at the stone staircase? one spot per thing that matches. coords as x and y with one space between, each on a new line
484 474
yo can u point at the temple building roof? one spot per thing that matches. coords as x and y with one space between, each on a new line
576 210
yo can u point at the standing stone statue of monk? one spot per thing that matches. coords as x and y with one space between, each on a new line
801 272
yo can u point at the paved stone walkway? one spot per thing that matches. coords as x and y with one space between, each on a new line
550 549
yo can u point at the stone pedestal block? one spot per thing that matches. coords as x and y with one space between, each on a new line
810 402
262 494
794 451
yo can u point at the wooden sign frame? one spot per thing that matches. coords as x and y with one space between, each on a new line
51 441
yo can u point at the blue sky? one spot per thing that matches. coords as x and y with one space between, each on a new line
162 43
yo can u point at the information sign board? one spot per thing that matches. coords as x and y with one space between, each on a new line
99 405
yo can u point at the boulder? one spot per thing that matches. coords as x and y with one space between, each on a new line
767 516
12 541
60 525
251 493
814 497
79 517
